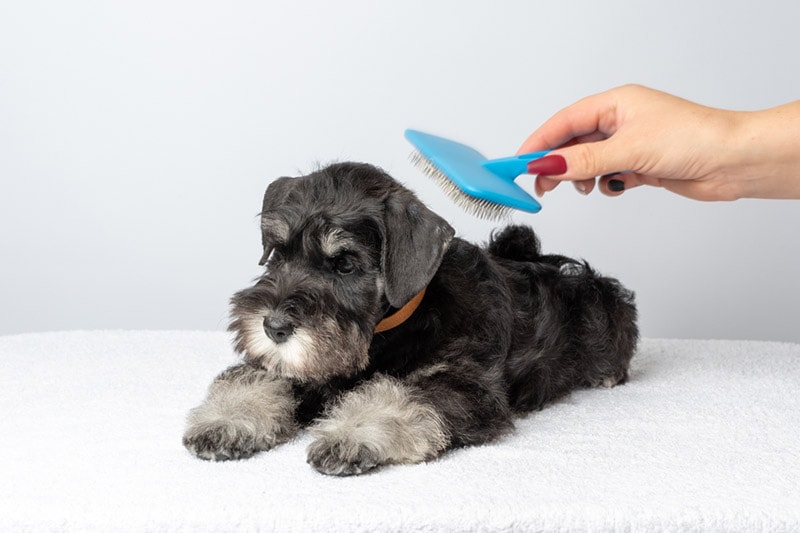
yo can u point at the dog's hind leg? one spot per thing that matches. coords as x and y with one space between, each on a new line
470 399
247 410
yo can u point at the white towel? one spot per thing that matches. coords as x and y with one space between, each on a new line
705 436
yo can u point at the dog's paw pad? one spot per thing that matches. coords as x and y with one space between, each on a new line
342 458
222 441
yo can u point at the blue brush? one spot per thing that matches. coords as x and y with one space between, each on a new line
483 187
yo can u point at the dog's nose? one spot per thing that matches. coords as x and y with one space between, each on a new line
278 329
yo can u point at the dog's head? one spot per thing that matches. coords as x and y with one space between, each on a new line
342 246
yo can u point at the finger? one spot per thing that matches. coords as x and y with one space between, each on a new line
702 190
585 161
542 185
613 184
593 114
584 186
595 136
616 183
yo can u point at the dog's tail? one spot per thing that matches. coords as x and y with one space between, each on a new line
520 243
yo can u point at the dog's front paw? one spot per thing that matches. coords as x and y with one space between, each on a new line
247 411
378 423
224 440
338 458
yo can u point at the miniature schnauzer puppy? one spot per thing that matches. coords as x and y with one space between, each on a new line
393 340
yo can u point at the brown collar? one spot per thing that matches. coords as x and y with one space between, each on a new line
401 315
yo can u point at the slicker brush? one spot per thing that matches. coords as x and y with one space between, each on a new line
480 186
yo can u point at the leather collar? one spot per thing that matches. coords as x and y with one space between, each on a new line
401 315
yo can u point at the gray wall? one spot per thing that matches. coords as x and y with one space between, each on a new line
136 140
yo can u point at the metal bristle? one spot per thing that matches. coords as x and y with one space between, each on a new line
476 206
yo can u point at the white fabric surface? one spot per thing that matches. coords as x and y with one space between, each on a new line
705 436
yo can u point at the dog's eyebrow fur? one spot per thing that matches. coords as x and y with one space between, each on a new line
274 228
335 240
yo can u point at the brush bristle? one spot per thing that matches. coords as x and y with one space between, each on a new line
476 206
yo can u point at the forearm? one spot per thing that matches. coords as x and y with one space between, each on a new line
768 161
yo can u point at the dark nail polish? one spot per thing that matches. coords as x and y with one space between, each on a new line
616 185
549 165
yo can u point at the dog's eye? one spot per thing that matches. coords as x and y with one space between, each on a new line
343 264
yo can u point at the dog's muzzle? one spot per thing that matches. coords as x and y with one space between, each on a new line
278 329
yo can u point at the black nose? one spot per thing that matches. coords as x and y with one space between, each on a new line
278 329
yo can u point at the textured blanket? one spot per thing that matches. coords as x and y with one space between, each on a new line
705 436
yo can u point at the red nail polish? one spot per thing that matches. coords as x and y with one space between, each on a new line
549 165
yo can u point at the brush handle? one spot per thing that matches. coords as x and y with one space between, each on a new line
509 168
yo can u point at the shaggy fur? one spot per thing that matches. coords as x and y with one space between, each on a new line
501 330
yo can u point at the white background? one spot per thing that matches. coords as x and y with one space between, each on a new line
136 140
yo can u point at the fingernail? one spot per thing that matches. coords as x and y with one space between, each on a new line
549 165
616 185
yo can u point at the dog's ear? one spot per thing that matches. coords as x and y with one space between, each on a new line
414 241
274 229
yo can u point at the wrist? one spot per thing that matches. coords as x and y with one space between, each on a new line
767 164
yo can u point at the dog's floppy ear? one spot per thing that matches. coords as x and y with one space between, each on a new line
414 241
274 229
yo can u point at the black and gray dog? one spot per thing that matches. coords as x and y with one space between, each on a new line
395 341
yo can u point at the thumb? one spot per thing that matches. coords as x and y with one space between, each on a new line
584 161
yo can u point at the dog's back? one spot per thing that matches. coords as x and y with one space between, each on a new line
573 327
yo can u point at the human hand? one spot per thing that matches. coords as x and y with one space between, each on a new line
632 135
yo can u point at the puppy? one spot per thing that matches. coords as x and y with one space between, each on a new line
395 341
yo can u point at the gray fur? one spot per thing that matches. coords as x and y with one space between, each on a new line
247 410
380 422
501 331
